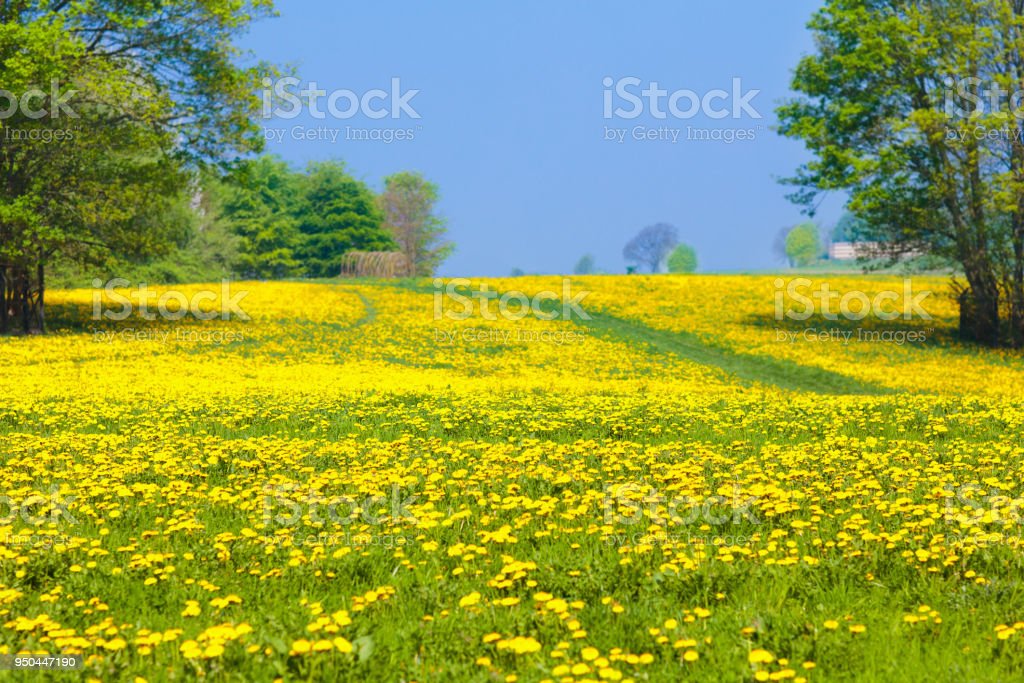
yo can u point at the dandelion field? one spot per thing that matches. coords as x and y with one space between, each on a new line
346 488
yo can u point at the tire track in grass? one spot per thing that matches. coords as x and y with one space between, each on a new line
746 368
370 316
784 374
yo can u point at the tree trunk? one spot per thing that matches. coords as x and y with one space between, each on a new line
4 306
22 295
979 312
40 312
26 308
1017 284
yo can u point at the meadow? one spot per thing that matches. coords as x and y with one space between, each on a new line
344 487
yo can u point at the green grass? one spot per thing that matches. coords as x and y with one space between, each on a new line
831 436
745 367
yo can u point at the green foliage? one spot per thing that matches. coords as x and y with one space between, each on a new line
132 126
292 224
903 121
261 220
204 251
336 214
137 96
257 203
158 98
803 244
850 228
683 259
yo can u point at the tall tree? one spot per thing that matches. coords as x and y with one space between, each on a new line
336 214
133 96
913 109
258 203
651 246
408 204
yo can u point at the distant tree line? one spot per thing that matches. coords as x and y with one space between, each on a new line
262 219
276 222
121 129
657 248
809 244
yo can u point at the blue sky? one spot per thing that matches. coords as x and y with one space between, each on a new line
511 120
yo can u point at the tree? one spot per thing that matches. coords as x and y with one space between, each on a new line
290 223
849 228
135 96
651 246
336 214
683 259
585 266
803 245
257 201
903 122
408 204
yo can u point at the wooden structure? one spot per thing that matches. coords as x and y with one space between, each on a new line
375 264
